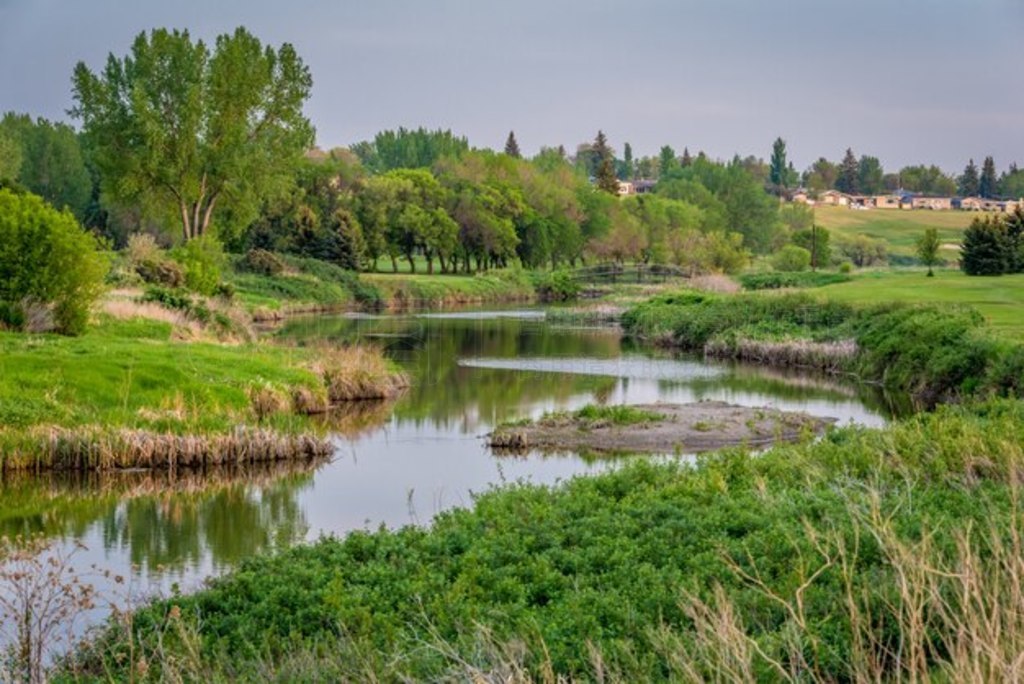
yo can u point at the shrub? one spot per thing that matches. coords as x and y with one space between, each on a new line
987 248
161 272
261 262
556 286
845 267
142 248
202 258
863 250
46 259
775 281
791 259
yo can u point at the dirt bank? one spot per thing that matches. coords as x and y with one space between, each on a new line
674 428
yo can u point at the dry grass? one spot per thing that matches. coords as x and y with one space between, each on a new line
93 448
830 357
714 282
357 373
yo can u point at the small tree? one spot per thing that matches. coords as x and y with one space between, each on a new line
928 249
816 241
48 261
511 146
605 172
791 258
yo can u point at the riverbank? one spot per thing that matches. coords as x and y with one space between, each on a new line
933 353
774 562
129 394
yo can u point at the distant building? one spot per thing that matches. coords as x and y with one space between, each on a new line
935 203
971 204
887 201
644 186
626 188
834 198
800 196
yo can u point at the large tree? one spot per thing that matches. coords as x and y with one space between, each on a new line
192 131
987 184
605 172
969 183
870 175
511 146
849 174
10 156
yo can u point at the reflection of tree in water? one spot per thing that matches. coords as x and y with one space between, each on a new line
446 394
166 519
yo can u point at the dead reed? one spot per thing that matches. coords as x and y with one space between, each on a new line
92 448
828 357
358 373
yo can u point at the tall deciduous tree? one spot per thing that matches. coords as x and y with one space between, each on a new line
193 131
987 184
848 180
626 170
870 176
777 174
969 182
10 156
511 146
666 161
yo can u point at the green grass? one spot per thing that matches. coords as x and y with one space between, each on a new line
617 415
401 290
900 228
132 374
1000 299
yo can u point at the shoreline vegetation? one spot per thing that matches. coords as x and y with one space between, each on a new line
128 394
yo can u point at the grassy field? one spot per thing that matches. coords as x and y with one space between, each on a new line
1000 299
900 228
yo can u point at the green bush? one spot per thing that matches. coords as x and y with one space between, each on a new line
46 259
556 286
161 272
261 262
775 281
202 259
791 258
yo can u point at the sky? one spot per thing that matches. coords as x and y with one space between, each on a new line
908 81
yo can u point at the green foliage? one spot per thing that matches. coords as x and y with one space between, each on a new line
405 149
202 259
990 247
815 240
968 182
604 174
928 248
10 156
791 258
863 250
196 133
47 259
775 281
556 286
261 262
160 271
616 415
605 559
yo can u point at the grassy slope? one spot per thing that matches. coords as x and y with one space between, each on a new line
1000 299
131 373
900 228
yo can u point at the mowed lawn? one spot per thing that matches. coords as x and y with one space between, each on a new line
899 227
999 298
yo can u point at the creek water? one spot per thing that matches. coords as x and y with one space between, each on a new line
395 463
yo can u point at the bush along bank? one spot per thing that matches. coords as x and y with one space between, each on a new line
933 354
869 555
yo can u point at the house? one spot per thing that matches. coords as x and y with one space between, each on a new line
834 198
971 204
626 188
862 201
935 203
799 195
644 186
886 201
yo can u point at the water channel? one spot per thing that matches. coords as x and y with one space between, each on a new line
398 463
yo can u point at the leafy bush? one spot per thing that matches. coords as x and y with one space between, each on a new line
791 259
47 260
993 245
162 272
556 286
863 250
261 262
775 281
202 258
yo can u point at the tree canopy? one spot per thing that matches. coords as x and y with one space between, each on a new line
191 132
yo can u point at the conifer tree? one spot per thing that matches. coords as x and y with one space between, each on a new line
777 174
847 180
511 146
626 171
687 159
606 179
987 183
969 183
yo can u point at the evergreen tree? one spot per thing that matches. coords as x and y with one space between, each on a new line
969 183
847 180
987 183
605 172
687 159
778 175
986 249
511 146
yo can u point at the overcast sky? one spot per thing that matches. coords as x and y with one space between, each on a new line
909 81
